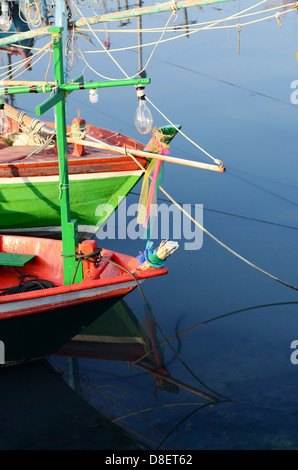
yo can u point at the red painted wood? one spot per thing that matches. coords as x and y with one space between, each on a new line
48 265
14 161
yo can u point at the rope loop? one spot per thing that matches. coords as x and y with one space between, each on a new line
173 6
34 122
20 119
93 257
278 19
56 37
62 186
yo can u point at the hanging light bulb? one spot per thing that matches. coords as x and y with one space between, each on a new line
3 118
143 116
93 95
5 18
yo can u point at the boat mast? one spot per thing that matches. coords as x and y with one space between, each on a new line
69 226
73 271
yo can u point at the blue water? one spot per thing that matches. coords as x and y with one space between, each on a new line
238 108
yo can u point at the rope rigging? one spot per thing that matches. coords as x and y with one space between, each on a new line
235 16
33 283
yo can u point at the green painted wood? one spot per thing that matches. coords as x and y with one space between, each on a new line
49 103
15 259
77 84
15 38
16 90
32 204
53 100
72 272
105 84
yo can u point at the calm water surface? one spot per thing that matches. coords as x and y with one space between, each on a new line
238 108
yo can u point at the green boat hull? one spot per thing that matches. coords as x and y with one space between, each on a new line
98 182
36 203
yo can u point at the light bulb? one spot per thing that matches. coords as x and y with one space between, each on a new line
93 95
3 119
143 116
5 18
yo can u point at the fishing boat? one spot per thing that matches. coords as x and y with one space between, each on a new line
100 175
38 311
52 289
103 166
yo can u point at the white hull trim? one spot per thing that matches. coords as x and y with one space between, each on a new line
79 177
64 298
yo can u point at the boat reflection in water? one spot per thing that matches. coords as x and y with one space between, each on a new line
119 336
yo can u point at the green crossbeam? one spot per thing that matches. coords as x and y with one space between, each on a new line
53 100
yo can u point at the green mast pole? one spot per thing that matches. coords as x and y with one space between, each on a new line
68 226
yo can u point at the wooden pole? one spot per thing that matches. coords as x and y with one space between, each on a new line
24 35
17 115
7 83
111 17
159 8
138 153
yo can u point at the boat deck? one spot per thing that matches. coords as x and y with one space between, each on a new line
26 257
17 160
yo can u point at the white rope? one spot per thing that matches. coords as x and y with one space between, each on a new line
223 245
32 18
191 30
110 55
219 162
26 68
194 26
184 135
210 25
97 38
18 65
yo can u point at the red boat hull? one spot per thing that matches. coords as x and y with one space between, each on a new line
37 323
